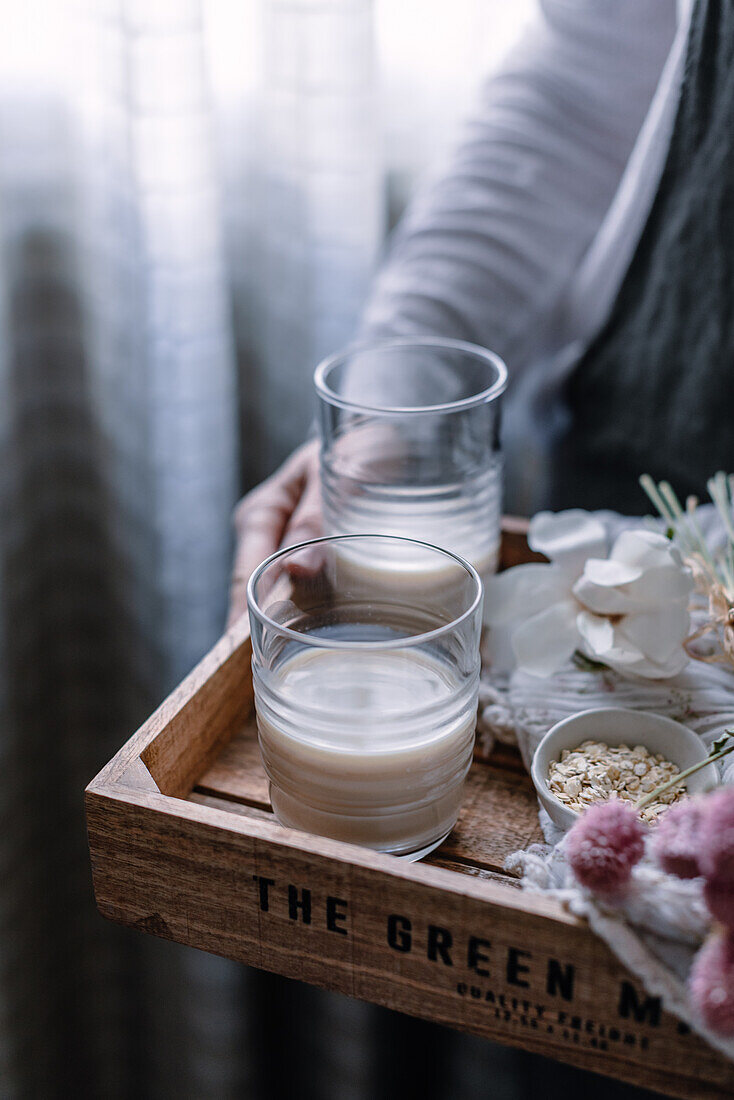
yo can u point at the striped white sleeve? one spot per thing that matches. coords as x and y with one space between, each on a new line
488 245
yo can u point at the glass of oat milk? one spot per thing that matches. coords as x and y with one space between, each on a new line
366 691
410 447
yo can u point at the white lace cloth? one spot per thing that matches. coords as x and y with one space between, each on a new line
663 920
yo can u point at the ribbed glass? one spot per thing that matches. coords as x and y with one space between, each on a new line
366 688
410 444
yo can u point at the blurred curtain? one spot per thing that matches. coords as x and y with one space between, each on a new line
192 200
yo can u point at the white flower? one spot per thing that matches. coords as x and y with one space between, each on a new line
628 610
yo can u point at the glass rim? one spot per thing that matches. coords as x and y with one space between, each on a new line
330 643
483 397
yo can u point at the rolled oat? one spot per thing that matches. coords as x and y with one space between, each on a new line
595 772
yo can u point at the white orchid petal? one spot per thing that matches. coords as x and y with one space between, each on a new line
607 572
672 667
662 584
603 600
628 658
497 651
522 592
597 634
645 548
649 670
658 634
568 538
624 651
545 642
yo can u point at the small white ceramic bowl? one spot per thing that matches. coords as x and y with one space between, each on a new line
616 726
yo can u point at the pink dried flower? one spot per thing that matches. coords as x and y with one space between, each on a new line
711 983
604 845
719 896
676 842
716 837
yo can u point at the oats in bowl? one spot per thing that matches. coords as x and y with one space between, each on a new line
610 728
595 772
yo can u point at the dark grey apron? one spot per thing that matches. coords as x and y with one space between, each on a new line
654 392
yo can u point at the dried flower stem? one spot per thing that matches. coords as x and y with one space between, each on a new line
720 489
686 531
716 754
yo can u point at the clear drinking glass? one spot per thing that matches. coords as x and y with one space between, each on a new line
366 692
410 444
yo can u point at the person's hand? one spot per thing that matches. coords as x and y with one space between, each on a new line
283 510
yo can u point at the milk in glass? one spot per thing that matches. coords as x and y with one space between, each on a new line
375 749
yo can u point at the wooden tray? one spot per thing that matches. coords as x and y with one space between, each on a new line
184 845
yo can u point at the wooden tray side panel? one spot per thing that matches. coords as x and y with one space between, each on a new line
198 730
471 955
184 736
